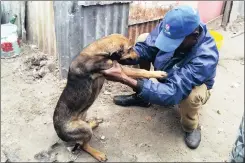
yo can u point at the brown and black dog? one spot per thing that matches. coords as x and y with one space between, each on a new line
84 83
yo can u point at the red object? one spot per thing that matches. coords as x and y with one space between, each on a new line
7 46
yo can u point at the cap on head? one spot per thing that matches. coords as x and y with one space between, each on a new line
177 24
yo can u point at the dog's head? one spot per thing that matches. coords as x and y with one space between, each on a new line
125 53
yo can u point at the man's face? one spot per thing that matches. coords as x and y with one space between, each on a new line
190 40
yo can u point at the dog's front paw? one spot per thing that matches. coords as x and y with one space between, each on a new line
101 157
94 122
160 74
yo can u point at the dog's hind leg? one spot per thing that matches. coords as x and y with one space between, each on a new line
95 153
82 132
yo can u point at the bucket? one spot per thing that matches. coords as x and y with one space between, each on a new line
218 38
10 43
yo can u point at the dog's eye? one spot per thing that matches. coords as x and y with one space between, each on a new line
115 56
130 49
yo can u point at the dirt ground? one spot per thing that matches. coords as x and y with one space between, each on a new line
29 93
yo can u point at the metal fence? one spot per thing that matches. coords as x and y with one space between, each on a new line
135 30
77 24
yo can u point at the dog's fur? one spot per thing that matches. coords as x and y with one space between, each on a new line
84 84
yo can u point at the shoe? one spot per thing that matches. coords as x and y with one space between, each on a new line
193 139
130 100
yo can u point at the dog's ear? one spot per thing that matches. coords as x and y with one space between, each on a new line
118 51
130 48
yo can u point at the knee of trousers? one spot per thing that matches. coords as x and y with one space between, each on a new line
192 101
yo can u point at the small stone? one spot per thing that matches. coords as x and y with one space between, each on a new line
51 66
235 85
143 145
99 120
200 127
148 118
107 93
43 71
102 137
42 63
35 73
218 112
33 46
220 130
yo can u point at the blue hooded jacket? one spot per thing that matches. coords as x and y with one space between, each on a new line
197 68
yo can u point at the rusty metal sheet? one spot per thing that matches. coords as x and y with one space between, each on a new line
92 3
135 30
141 14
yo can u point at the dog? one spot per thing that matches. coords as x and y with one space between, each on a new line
84 83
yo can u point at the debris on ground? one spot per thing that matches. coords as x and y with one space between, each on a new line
51 66
33 46
200 127
4 158
45 156
235 85
107 92
144 145
148 118
220 130
237 26
218 112
237 34
102 137
39 65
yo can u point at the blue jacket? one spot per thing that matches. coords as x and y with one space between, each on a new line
198 67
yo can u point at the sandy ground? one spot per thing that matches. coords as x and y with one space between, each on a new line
130 134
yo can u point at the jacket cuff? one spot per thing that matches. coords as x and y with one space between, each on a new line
139 86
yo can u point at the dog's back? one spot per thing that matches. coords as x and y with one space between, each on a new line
107 44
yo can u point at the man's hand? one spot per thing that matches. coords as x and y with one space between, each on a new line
115 73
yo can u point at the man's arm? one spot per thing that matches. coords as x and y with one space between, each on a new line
180 83
177 86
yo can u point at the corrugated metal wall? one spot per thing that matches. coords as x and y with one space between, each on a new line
40 26
77 25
